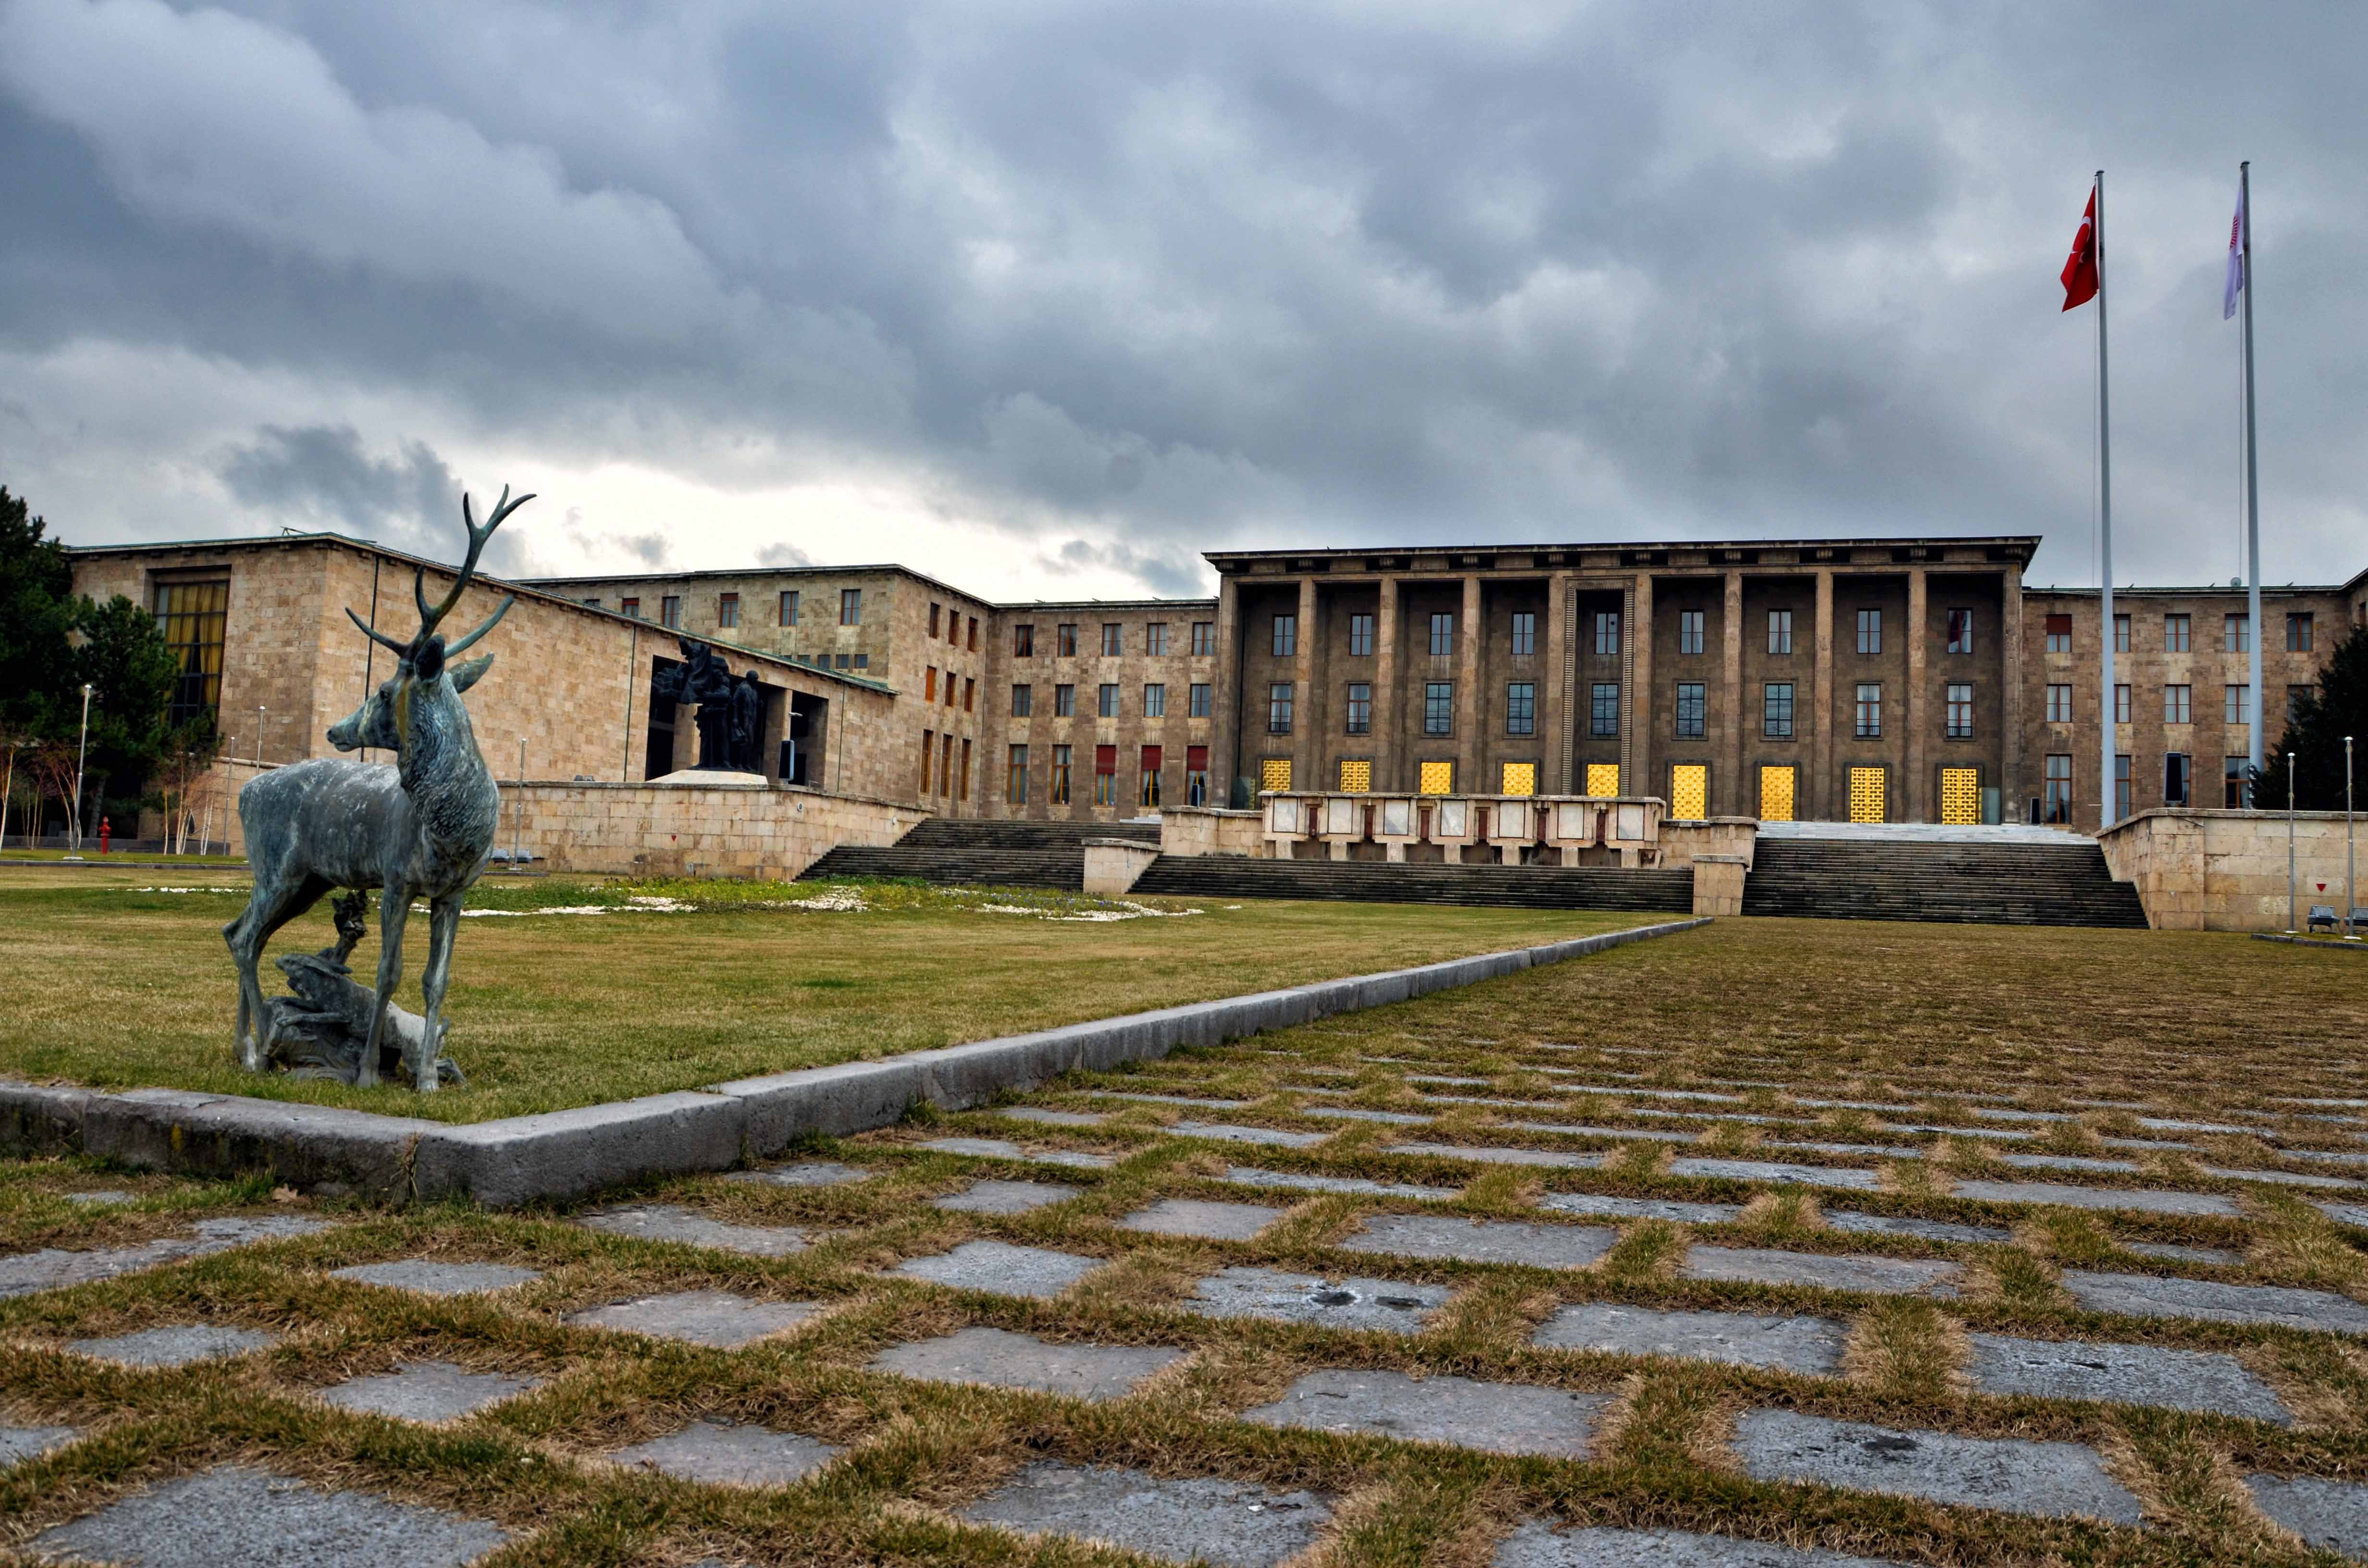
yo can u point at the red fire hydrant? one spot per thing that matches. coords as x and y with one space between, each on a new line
103 831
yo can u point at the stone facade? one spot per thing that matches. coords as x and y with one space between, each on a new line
2220 871
683 830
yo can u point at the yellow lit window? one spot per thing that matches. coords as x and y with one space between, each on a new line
1603 778
1776 793
1689 791
1520 779
1866 799
1437 778
1274 773
1356 778
1961 795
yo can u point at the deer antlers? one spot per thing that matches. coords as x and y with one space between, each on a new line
431 616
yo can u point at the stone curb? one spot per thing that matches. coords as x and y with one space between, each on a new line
2336 943
567 1153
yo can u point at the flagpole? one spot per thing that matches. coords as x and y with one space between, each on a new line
2253 490
2104 526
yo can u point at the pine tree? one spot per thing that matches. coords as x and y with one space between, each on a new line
2335 707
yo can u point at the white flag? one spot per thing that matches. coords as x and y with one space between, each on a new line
2237 238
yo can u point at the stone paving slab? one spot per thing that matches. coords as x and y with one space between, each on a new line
1856 1223
1172 1099
2345 1213
1641 1207
2280 1178
1201 1217
1005 1197
1790 1344
2330 1515
1536 1545
1003 1360
1766 1170
2144 1295
1048 1118
18 1444
1770 1265
2064 1162
2013 1474
103 1198
1502 1156
809 1173
1004 1149
1505 1418
2141 1199
53 1268
1274 1137
726 1454
1352 1113
429 1276
1251 1175
175 1346
703 1317
999 1267
1482 1241
1388 1304
670 1223
236 1517
1880 1150
2133 1374
1234 1523
2173 1252
426 1391
1628 1134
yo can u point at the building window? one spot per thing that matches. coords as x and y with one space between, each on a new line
930 684
727 610
962 779
1439 707
2231 788
1960 712
1024 701
2121 640
1015 777
1155 700
845 659
851 606
1521 707
863 661
1113 640
1204 639
1870 632
1286 636
1197 699
1277 708
1692 709
195 620
1360 708
2059 704
2059 633
1360 636
671 611
1106 776
2299 629
2236 707
1606 633
1442 634
1023 641
1058 794
2056 797
934 608
1525 634
1776 711
2177 704
1155 639
1870 712
2121 786
1064 641
1149 795
2175 779
2294 695
1961 632
2177 634
788 606
2121 703
629 606
1196 775
2237 632
1435 777
1603 710
970 691
973 634
1357 775
1107 700
1690 631
1064 701
1779 631
928 750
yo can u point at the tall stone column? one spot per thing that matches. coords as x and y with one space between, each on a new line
1822 782
1636 693
1389 762
1916 789
1556 739
1470 697
1225 722
1307 716
2013 788
1739 801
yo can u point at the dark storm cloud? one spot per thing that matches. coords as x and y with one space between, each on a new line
1144 279
323 471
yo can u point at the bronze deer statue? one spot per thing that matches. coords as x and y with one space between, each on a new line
420 829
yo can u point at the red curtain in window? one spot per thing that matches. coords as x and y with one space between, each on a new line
1196 759
1151 759
1106 759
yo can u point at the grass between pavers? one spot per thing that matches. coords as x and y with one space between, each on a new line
678 983
920 1451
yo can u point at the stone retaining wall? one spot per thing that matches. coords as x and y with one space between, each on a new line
2200 871
685 830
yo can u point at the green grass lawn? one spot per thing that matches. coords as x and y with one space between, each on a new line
120 979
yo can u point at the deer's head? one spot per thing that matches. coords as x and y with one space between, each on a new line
424 672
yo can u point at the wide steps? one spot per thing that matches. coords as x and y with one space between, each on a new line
982 852
1373 881
1957 882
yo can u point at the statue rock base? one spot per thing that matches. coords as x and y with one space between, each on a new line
322 1029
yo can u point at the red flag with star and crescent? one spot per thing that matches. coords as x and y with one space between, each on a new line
2080 268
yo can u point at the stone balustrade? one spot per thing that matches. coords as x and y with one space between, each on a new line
1518 829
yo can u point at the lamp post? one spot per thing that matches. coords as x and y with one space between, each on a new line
7 793
2290 844
518 808
258 737
2351 895
82 754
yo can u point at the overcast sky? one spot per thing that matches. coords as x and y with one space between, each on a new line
1047 299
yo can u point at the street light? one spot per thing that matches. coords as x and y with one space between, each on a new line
82 754
7 792
258 735
2350 894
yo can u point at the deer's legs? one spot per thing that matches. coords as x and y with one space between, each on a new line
266 910
443 922
394 907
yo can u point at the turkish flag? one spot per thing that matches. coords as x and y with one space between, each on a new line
2080 267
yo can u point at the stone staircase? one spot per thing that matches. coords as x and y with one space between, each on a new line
1375 881
982 853
2010 881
